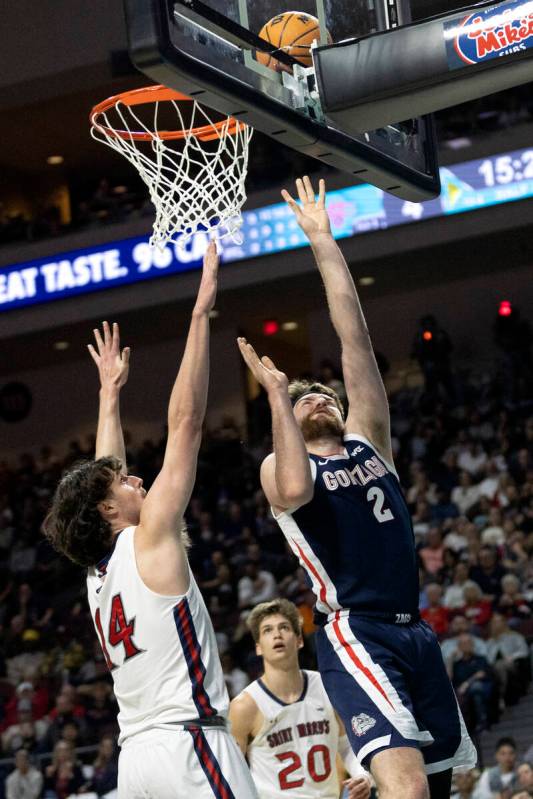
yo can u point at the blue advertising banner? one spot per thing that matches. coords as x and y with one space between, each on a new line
355 210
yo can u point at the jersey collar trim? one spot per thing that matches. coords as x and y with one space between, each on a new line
280 701
101 566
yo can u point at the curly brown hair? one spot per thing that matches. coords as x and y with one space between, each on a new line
281 607
299 388
74 525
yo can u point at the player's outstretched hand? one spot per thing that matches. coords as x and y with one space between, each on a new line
311 215
112 364
358 787
207 293
263 369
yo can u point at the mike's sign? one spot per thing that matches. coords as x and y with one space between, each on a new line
492 32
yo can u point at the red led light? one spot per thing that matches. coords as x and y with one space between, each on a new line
270 327
505 308
427 335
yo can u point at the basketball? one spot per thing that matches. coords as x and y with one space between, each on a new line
294 32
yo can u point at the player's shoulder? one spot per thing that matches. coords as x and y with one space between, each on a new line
314 680
244 707
315 687
269 461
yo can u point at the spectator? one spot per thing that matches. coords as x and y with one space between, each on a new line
63 776
255 586
457 536
421 489
450 647
101 711
65 711
25 782
465 784
466 494
445 473
435 613
473 683
508 653
432 553
488 487
105 768
514 555
502 777
476 608
472 458
493 535
512 603
37 699
453 596
525 777
443 508
26 733
421 518
30 653
488 573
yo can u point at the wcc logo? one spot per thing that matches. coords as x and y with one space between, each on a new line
494 32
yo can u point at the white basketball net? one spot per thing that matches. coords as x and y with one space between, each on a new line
193 184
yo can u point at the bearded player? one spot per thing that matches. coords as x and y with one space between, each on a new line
335 493
284 721
152 623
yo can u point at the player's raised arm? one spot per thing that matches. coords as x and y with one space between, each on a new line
165 504
113 369
286 474
369 411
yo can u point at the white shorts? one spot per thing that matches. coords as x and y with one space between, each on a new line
183 764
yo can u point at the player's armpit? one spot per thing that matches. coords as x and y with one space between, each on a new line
291 495
164 567
242 717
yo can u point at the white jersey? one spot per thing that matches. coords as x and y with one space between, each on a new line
294 752
161 650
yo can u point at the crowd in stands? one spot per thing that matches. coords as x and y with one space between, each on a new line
465 459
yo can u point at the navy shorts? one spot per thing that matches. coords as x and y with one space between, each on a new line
389 685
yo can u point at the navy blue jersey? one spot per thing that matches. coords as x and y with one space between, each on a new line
355 538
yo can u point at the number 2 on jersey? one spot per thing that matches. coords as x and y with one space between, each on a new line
120 632
317 774
377 496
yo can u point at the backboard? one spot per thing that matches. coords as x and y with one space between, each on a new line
208 50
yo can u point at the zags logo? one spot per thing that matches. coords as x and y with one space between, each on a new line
495 32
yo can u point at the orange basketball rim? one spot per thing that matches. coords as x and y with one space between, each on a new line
157 94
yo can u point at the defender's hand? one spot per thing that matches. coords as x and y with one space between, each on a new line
358 788
311 215
264 369
207 293
113 365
